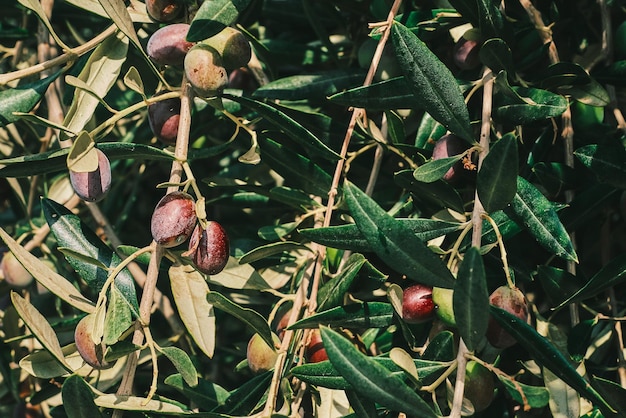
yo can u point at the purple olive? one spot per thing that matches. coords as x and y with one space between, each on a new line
209 248
465 54
173 219
164 117
448 146
93 186
168 45
164 10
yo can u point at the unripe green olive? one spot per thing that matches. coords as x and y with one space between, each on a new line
205 71
512 300
168 45
479 385
209 248
261 357
444 305
93 186
14 272
164 10
173 219
233 47
93 354
164 117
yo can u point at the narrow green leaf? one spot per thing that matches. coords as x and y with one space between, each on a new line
439 192
190 290
248 316
441 348
161 406
471 299
356 315
40 328
55 160
536 105
290 126
431 82
116 9
496 181
205 394
348 237
72 233
310 86
544 353
182 363
496 55
395 127
295 167
536 396
78 398
244 399
558 284
22 98
213 16
117 319
491 21
269 250
610 275
370 379
428 132
607 161
383 95
435 169
331 294
562 74
51 280
540 219
613 391
394 243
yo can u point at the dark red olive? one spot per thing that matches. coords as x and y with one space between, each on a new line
173 219
209 248
466 54
512 300
448 146
164 117
315 351
168 45
417 304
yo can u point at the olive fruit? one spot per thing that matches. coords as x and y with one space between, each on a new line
242 79
448 146
14 272
512 300
233 47
163 118
282 323
209 248
465 54
94 185
444 305
205 70
164 10
92 353
173 219
168 46
261 357
479 385
417 304
315 351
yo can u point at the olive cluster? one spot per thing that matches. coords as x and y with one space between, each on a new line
206 64
174 221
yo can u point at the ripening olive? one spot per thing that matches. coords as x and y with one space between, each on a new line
315 351
93 186
14 272
512 300
205 71
261 357
232 45
164 117
465 54
173 219
448 146
168 46
479 385
164 10
209 248
92 353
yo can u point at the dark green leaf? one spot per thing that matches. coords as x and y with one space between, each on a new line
395 127
614 392
540 218
468 9
546 354
431 82
558 284
331 294
491 21
435 169
244 399
610 275
441 348
592 93
206 395
213 16
370 379
394 243
556 177
613 74
291 127
579 338
471 299
182 363
496 55
348 237
250 317
78 399
438 192
608 162
356 315
22 98
269 250
72 233
535 104
496 181
383 95
428 132
310 86
295 167
53 161
562 74
364 407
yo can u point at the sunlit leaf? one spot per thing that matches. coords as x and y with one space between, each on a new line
22 98
357 315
